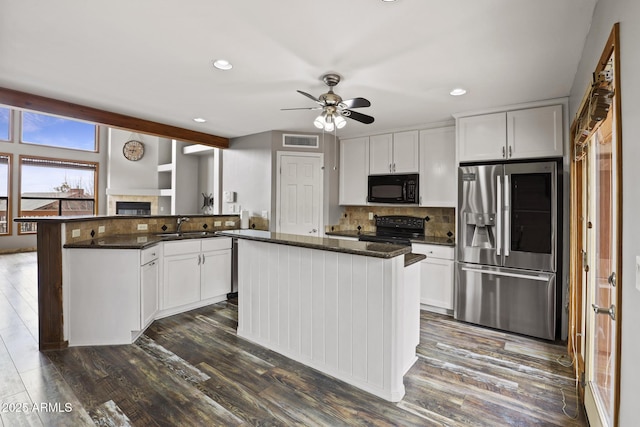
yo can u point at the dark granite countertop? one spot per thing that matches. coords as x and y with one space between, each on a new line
135 241
63 219
412 258
378 250
427 240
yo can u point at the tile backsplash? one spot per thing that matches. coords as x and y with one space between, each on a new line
440 222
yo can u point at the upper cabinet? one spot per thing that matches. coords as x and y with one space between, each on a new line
520 134
354 171
438 167
394 153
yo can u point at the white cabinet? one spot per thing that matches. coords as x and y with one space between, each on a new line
519 134
215 279
195 271
354 171
436 277
394 153
103 293
536 132
149 280
438 167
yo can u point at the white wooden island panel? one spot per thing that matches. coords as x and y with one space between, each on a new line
340 313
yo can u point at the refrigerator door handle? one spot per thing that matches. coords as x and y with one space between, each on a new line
498 216
507 215
540 278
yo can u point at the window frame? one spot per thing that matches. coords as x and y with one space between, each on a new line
9 195
96 177
19 136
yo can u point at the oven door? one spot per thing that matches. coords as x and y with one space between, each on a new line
530 215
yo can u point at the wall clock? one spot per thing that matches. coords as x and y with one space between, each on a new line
133 150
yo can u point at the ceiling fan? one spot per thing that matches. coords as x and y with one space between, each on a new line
334 108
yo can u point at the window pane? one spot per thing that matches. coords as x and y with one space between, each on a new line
42 129
4 123
4 194
4 229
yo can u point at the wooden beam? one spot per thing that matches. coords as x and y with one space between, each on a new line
42 104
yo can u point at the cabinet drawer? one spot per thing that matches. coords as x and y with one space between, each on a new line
181 247
149 254
216 243
434 251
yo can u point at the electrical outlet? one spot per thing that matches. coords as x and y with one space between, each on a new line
100 229
370 215
217 223
143 227
229 223
75 233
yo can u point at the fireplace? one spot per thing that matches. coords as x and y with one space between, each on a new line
133 208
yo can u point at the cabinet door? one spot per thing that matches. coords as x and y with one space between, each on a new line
535 132
482 137
438 167
181 280
405 152
436 283
381 154
354 171
148 292
215 273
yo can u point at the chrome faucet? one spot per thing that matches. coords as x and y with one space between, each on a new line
181 220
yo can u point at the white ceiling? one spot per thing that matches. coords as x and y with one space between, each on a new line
152 58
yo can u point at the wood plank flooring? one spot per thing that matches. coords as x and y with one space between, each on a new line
193 370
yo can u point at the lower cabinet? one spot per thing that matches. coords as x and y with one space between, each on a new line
436 277
195 271
149 280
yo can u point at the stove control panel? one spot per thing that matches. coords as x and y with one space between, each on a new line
400 221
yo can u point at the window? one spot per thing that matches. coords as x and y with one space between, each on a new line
53 131
5 210
5 119
56 187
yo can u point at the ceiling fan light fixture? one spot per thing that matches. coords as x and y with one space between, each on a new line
222 64
319 121
340 122
329 127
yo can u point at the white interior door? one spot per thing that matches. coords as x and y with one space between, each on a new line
300 193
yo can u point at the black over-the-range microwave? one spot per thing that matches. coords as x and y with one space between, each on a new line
399 189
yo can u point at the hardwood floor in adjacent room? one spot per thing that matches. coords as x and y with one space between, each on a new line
193 370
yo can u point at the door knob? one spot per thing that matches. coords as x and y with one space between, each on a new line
612 279
611 311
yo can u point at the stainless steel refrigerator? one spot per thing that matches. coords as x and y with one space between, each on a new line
507 257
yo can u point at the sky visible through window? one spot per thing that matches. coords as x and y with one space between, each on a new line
4 176
42 129
34 181
4 124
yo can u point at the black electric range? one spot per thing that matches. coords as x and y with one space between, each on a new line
396 229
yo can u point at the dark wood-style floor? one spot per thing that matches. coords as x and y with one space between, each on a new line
192 370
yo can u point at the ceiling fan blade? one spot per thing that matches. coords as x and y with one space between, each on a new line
356 103
310 96
302 108
362 118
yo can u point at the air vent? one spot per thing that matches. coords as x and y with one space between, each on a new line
301 141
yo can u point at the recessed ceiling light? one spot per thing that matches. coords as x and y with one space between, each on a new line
222 64
458 91
199 120
388 1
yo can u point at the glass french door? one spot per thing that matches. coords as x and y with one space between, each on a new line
601 248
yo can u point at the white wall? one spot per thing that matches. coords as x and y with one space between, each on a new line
125 174
186 182
627 12
246 169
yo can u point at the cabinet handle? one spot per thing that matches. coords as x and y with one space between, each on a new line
510 154
394 167
203 258
199 260
390 168
503 152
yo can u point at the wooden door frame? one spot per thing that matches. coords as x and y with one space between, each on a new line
577 299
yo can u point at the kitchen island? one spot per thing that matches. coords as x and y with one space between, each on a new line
349 309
